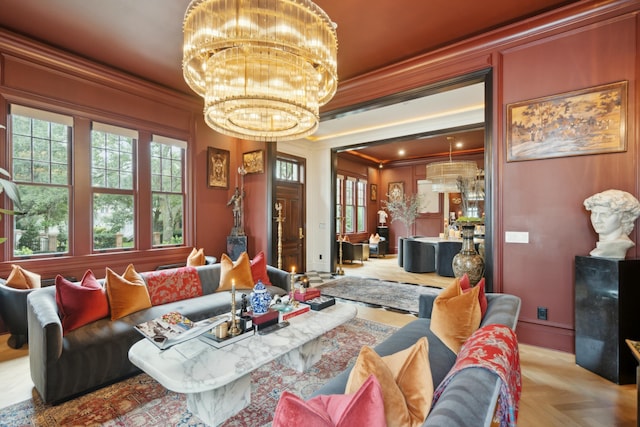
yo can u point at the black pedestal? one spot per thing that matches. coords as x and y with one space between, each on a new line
607 311
235 246
383 232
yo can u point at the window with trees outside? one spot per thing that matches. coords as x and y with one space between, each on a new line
351 204
43 158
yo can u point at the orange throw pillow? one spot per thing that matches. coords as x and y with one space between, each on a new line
405 379
238 272
456 315
19 278
196 258
127 293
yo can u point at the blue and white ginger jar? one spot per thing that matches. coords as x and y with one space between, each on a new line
260 298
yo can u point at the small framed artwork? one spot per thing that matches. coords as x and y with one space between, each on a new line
396 191
217 168
429 199
587 121
253 161
374 192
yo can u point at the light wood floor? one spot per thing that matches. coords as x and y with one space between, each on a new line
556 392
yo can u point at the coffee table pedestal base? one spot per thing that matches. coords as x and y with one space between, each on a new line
216 406
303 357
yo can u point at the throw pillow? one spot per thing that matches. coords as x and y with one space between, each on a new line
19 278
455 315
374 240
364 408
80 303
465 284
238 272
127 293
259 269
405 379
196 258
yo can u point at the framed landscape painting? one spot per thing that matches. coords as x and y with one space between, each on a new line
587 121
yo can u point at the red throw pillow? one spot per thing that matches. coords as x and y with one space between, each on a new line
259 269
80 303
465 285
362 408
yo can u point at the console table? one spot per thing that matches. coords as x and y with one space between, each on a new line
606 313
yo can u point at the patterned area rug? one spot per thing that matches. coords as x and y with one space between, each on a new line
378 293
140 401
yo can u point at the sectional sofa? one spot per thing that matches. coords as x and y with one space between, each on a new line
94 355
470 397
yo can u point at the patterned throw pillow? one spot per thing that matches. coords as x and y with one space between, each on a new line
364 408
80 303
175 284
19 278
127 293
405 379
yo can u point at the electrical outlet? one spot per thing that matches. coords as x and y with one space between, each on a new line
542 313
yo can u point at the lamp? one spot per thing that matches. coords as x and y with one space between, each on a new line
263 67
444 175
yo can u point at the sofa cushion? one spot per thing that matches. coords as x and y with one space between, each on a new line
455 315
238 272
19 278
259 269
127 293
365 407
405 378
196 258
80 303
174 284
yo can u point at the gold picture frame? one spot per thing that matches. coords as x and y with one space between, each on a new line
253 161
217 168
396 191
582 122
373 189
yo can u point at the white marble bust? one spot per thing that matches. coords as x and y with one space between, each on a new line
613 213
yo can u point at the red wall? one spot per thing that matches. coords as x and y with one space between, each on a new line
586 44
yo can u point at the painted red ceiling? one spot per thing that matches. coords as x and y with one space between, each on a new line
144 37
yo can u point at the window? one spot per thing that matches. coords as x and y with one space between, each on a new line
167 190
112 160
351 204
41 143
46 151
288 170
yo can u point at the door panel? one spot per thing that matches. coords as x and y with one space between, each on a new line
291 197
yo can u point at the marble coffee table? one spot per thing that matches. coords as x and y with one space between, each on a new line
217 382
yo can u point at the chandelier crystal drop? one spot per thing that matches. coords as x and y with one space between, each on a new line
263 67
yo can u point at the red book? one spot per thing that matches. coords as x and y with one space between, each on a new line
309 294
300 309
259 319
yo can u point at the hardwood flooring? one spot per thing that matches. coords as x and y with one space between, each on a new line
556 392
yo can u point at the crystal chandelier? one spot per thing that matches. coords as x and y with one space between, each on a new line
263 67
444 175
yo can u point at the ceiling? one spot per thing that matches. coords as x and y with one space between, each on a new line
144 37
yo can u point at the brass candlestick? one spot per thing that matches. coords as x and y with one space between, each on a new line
234 324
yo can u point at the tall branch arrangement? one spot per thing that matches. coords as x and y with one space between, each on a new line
404 209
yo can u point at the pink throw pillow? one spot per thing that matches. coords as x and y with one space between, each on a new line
259 269
80 303
362 408
465 285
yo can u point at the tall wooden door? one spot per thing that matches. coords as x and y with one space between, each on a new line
290 196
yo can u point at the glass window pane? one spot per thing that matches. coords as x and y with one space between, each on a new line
113 221
44 227
167 219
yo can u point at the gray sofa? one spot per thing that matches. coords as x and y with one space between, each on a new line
96 354
469 400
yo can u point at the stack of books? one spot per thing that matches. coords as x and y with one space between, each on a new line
308 294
